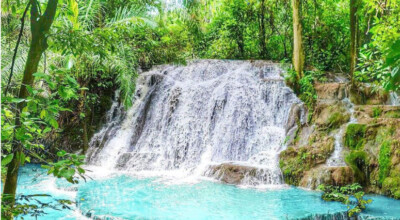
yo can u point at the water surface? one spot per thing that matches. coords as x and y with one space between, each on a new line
127 197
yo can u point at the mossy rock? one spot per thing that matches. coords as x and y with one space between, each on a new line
332 116
366 95
358 161
295 161
392 114
355 136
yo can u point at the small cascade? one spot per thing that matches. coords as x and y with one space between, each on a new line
394 99
113 119
193 118
337 159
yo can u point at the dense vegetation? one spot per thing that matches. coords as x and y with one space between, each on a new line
62 60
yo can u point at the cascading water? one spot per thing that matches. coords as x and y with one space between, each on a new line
394 99
189 118
337 159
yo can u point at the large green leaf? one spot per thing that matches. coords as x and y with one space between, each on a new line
53 122
6 160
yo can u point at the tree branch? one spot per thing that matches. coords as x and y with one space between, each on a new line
49 14
16 48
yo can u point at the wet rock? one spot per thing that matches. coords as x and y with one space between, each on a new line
294 162
296 116
365 112
123 159
331 91
337 176
231 173
328 116
367 95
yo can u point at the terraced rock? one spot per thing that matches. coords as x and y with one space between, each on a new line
370 141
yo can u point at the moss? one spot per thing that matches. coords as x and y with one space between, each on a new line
295 161
376 112
392 114
384 161
337 119
391 186
355 136
357 160
396 194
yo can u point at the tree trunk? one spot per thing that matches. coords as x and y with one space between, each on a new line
40 25
298 53
353 37
84 121
263 51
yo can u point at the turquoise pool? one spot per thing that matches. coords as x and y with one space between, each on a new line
125 197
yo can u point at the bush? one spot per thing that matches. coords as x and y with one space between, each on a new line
344 195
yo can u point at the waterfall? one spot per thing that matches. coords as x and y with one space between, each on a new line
190 118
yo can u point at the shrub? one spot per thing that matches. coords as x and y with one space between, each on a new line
344 195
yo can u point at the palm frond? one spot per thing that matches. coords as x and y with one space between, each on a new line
130 15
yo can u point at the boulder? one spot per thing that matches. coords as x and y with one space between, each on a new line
328 116
230 173
331 91
336 176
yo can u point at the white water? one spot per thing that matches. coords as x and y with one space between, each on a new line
337 159
186 118
394 99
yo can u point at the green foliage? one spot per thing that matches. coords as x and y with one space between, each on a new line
67 166
355 136
38 117
380 58
304 88
344 194
25 204
384 160
392 80
370 67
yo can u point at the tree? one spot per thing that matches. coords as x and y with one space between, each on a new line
40 26
298 53
353 36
